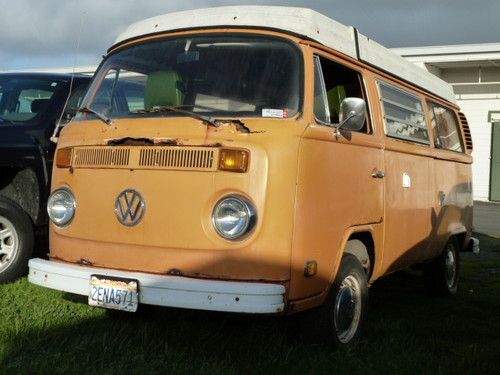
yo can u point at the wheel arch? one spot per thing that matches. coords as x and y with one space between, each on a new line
365 253
358 235
368 235
21 186
462 238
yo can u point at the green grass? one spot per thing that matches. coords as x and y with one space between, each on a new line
44 331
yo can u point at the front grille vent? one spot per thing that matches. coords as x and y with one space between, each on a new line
107 157
192 158
467 134
177 158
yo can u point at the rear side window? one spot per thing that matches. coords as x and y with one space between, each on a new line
445 128
403 114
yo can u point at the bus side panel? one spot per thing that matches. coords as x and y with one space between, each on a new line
453 202
409 206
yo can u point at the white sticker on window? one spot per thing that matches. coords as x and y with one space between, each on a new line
276 113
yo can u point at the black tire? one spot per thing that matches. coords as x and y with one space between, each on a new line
17 239
338 322
442 273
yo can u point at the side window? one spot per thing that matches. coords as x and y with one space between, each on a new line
333 83
403 114
445 128
22 99
33 100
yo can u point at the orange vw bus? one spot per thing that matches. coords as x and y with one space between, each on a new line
257 160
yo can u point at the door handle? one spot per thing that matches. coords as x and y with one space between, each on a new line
378 174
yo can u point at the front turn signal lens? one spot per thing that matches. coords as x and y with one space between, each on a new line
232 160
63 157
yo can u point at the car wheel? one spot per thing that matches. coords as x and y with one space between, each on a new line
16 241
442 273
340 320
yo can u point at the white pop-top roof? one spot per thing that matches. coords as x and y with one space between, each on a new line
300 21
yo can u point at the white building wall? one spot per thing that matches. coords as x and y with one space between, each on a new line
476 110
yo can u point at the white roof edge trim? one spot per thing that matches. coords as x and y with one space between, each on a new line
300 21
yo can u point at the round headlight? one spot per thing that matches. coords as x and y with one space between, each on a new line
233 217
61 206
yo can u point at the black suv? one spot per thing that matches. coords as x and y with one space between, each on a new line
30 106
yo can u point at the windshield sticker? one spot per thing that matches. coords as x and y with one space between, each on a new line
275 113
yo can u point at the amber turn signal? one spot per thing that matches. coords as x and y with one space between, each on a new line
310 268
63 158
232 160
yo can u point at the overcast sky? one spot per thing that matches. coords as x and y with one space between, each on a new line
45 33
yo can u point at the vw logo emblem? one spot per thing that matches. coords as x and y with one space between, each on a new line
129 207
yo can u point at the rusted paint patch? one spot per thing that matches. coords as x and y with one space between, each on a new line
175 272
85 262
129 141
238 125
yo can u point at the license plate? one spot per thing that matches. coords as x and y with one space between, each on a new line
113 293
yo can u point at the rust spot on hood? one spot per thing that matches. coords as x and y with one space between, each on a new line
129 141
238 125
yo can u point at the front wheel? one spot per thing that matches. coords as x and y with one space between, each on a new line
16 241
340 320
442 273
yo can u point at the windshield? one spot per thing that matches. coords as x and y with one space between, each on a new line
23 98
225 76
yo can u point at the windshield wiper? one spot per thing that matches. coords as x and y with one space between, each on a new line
165 108
100 116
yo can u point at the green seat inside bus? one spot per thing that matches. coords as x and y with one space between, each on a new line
335 96
162 89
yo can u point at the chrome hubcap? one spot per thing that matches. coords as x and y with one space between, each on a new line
347 309
451 266
9 243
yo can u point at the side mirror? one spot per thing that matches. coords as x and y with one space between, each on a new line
352 114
